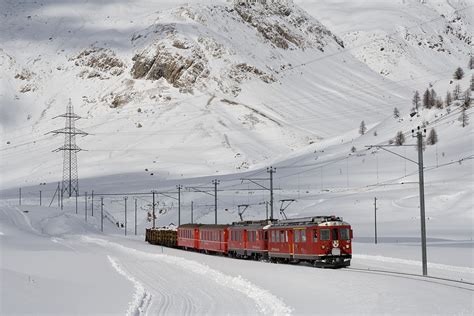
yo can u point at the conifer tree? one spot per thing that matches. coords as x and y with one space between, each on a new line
416 100
457 92
362 128
449 99
432 137
458 74
432 98
467 99
463 118
439 103
426 98
399 139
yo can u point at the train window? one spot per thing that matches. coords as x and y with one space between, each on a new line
273 236
325 234
303 236
315 235
297 235
282 236
335 235
277 236
265 235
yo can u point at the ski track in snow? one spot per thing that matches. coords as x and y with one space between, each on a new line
266 302
415 263
141 298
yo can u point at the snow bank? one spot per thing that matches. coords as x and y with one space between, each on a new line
266 302
141 298
415 263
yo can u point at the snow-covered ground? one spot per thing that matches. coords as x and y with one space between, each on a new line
80 270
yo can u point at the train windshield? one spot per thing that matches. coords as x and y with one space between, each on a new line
325 234
344 233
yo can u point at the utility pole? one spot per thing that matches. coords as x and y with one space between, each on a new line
192 207
135 216
70 181
271 170
76 201
102 214
85 205
59 195
375 216
92 203
266 209
153 215
215 182
179 187
419 138
19 197
421 183
126 198
40 199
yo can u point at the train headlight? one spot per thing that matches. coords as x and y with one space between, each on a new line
347 246
323 247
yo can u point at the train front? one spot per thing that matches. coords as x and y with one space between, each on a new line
334 243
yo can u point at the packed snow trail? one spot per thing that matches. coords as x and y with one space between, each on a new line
157 272
141 298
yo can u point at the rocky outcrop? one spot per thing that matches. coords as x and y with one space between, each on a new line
98 62
292 29
181 65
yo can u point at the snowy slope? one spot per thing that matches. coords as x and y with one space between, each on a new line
250 103
410 41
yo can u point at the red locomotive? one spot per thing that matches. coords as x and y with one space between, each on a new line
324 241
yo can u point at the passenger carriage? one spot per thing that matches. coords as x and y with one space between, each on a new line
248 239
213 238
188 236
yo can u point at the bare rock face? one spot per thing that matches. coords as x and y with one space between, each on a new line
98 62
180 63
292 30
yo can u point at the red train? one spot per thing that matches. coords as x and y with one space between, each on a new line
324 241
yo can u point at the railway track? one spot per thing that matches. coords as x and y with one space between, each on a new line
465 285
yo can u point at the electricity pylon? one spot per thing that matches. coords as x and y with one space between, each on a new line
70 182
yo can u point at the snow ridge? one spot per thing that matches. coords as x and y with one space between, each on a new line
141 298
416 263
266 302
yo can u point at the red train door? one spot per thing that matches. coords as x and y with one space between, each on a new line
291 242
196 238
245 239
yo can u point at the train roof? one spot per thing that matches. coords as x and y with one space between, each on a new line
213 226
243 224
313 220
189 225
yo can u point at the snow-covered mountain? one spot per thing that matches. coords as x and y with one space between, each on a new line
176 90
231 86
